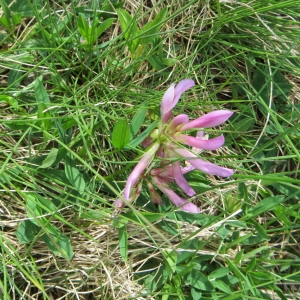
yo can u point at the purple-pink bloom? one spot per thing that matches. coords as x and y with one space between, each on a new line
165 142
172 96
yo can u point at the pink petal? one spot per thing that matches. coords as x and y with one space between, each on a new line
172 96
178 120
202 165
139 169
187 169
180 180
209 120
211 144
181 87
177 200
191 208
166 103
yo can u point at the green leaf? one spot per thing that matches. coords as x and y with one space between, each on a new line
106 24
170 261
196 294
264 206
241 126
137 121
218 273
9 100
26 232
199 281
119 222
95 215
16 19
151 217
41 94
150 30
33 210
14 76
121 134
156 63
24 7
135 142
73 174
123 242
156 280
219 284
50 159
57 242
130 29
83 27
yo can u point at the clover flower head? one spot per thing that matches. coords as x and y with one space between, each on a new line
169 142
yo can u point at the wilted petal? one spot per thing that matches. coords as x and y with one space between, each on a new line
211 144
139 169
180 180
177 200
178 120
211 119
202 165
119 203
147 141
155 197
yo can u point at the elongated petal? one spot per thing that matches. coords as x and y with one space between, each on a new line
178 120
191 208
177 200
211 144
139 169
209 120
181 87
187 168
202 165
168 102
180 180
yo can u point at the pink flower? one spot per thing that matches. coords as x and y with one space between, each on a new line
169 142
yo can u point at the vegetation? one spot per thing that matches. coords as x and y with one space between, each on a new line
81 88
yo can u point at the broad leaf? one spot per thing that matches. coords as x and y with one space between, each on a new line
152 28
121 134
50 159
41 94
73 174
123 242
137 121
26 232
264 206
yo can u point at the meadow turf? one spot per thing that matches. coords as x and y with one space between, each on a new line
81 86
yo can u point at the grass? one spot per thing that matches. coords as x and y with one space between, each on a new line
65 84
